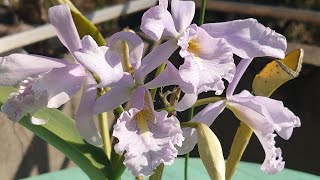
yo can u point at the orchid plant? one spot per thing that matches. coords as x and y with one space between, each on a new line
145 139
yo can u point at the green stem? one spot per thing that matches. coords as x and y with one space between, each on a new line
199 102
120 110
159 70
190 114
202 11
189 124
186 156
208 100
104 129
186 161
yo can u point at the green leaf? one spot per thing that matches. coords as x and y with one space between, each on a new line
157 173
117 164
5 92
85 27
62 133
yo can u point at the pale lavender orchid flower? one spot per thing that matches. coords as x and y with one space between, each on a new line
207 60
147 137
207 50
264 115
49 82
121 91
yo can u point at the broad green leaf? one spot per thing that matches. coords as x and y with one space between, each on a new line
62 133
84 26
117 163
277 72
272 76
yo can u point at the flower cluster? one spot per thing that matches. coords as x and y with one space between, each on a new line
148 137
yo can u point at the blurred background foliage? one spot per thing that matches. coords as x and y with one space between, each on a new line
21 13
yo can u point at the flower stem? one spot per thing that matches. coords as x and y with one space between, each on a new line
208 100
159 70
186 156
189 124
190 114
199 102
120 110
202 11
104 129
186 161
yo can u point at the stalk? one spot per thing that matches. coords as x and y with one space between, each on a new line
202 12
104 129
159 70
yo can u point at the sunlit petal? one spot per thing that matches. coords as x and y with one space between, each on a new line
61 19
84 116
248 38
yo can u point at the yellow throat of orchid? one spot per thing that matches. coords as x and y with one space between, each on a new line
144 117
194 47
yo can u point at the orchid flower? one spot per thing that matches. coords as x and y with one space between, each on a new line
121 91
264 115
207 50
147 137
207 60
49 82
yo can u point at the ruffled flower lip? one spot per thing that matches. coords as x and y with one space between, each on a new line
147 137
